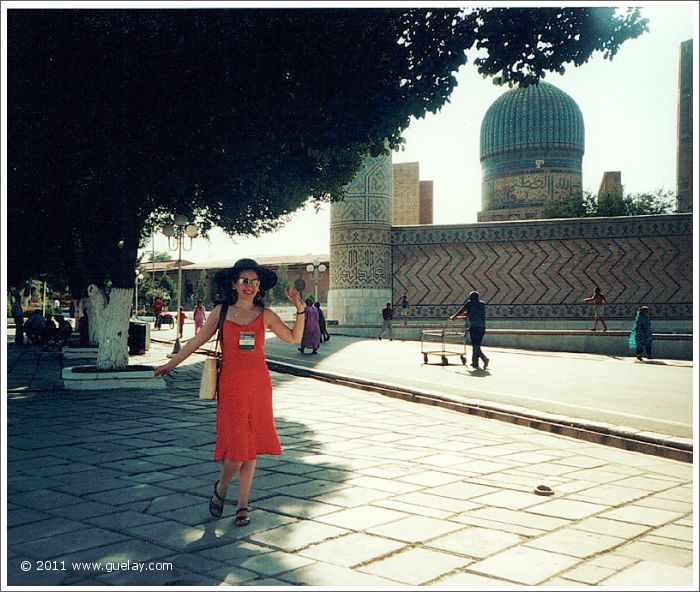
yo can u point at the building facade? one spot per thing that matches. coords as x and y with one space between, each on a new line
412 197
532 145
684 157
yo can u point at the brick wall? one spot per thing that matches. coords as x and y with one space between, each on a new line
541 269
426 202
406 206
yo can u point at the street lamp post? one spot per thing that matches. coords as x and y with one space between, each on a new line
316 268
178 231
136 292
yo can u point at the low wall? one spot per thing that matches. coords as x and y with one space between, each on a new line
539 270
613 343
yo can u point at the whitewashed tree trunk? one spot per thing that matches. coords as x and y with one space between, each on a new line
94 304
113 352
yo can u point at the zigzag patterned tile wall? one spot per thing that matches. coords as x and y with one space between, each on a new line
541 269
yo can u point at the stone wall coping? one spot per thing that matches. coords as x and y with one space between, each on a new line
673 217
545 332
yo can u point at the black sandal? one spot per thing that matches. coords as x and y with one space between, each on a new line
242 520
215 509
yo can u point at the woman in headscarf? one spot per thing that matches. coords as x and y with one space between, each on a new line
641 336
312 329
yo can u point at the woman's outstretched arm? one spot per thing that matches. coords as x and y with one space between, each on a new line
204 335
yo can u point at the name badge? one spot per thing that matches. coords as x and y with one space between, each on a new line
246 341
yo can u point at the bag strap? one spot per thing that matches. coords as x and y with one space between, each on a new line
222 318
220 329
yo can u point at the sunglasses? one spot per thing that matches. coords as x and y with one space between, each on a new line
241 281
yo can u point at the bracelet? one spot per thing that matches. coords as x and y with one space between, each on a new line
302 312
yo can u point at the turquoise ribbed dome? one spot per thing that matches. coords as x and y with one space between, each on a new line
538 116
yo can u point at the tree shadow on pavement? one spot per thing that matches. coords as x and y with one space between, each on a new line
127 476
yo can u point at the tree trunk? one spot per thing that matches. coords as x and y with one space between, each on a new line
113 352
94 304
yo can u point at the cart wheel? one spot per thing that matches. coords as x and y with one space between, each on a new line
425 358
444 360
464 360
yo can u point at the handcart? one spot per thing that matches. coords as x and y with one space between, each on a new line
444 342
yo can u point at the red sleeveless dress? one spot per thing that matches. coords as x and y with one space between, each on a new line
244 423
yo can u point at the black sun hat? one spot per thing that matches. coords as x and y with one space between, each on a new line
267 277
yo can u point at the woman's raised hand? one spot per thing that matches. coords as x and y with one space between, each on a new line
293 297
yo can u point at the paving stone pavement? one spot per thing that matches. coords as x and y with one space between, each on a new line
370 491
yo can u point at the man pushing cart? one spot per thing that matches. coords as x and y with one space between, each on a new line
474 310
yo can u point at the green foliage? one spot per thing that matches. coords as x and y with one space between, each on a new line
117 119
523 44
166 289
572 207
146 285
276 295
159 256
154 292
201 288
613 204
645 204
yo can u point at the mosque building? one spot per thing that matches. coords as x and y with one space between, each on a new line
532 145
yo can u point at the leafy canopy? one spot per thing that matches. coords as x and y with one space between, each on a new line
613 203
120 119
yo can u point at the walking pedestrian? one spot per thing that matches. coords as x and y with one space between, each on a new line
322 322
18 316
388 317
181 318
599 303
200 315
404 309
641 335
84 329
312 328
157 306
474 310
245 425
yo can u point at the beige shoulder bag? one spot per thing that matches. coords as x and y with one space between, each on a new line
209 386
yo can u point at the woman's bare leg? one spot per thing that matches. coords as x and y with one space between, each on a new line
245 482
228 469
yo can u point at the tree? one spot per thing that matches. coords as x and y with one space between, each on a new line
573 206
200 289
277 293
613 204
120 119
637 204
167 289
145 285
159 256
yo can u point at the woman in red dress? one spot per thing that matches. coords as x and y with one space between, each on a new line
244 421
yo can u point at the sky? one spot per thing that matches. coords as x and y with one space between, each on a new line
629 107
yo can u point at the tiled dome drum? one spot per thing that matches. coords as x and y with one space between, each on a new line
532 144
